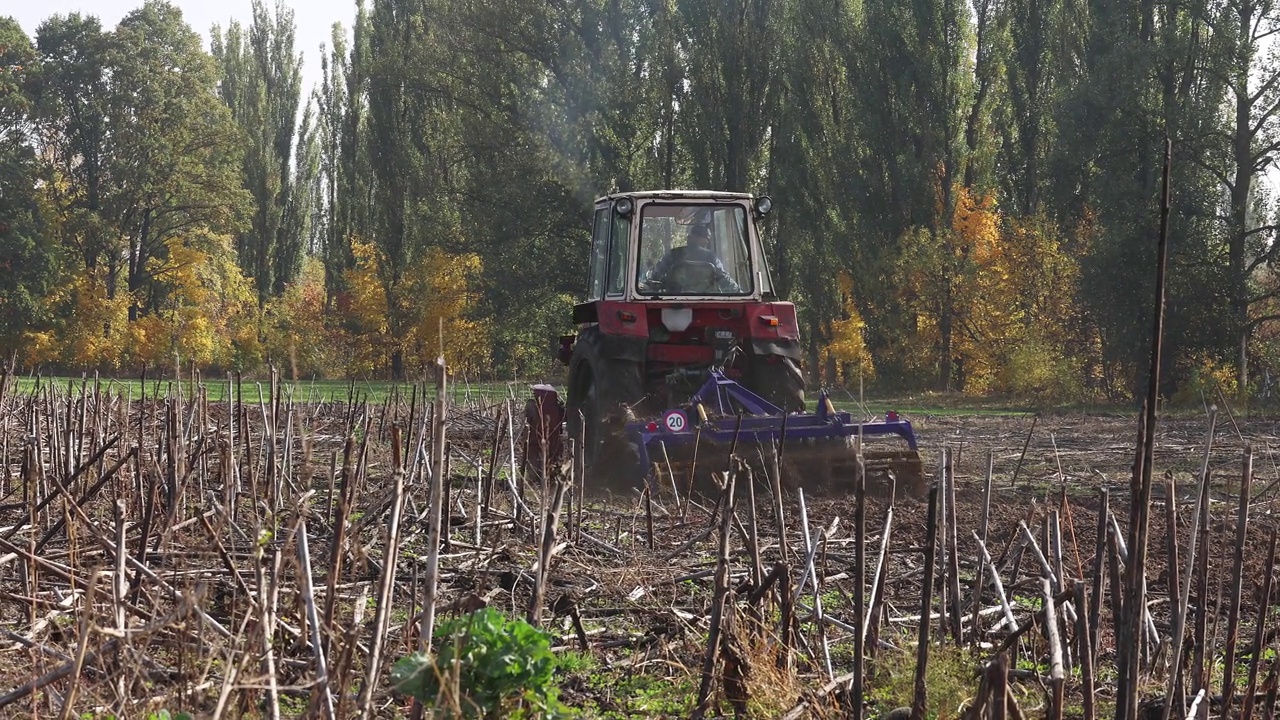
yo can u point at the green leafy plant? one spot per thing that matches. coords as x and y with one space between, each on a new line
486 666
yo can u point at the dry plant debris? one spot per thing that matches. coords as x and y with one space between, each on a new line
269 558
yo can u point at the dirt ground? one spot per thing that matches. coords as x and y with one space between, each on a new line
644 599
1068 461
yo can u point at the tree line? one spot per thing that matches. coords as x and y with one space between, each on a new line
966 193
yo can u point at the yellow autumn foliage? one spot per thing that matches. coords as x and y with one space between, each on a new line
984 319
848 347
206 304
203 306
434 295
1010 283
299 337
445 301
95 330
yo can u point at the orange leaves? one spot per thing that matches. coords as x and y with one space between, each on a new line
434 290
94 328
976 224
197 306
298 334
206 303
196 310
847 346
442 288
1006 287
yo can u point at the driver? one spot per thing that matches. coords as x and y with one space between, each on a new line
697 248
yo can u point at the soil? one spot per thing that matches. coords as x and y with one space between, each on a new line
224 562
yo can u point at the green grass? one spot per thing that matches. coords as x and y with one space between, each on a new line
218 390
911 406
951 678
378 391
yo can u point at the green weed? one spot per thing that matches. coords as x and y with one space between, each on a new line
951 680
486 666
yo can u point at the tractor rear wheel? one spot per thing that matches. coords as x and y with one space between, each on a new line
601 393
777 379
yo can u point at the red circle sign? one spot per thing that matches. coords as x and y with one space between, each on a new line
675 421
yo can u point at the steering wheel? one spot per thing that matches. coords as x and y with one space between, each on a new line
692 276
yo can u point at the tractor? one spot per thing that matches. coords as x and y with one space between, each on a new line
684 352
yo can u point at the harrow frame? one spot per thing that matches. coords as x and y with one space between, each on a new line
760 421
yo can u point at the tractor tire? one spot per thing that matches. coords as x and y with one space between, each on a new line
601 393
777 379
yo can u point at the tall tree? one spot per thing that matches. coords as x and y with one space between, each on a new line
732 48
811 142
991 50
405 142
27 258
1032 77
1251 79
72 99
261 84
913 83
331 100
174 156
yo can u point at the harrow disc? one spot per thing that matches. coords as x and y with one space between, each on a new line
822 467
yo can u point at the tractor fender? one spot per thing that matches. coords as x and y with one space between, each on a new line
593 341
622 347
580 364
776 346
618 385
595 352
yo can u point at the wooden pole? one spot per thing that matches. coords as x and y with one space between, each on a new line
1140 497
926 602
433 542
1183 600
1237 580
859 579
719 604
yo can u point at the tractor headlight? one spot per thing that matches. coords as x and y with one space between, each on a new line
764 204
677 320
624 207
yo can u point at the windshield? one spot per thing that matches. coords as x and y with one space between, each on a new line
694 249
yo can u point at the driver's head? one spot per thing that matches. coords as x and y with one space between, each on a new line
700 236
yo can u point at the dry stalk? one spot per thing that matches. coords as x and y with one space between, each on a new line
719 605
313 617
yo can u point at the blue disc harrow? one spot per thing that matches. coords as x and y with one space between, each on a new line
817 450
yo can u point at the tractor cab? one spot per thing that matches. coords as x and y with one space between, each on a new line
677 290
691 246
678 287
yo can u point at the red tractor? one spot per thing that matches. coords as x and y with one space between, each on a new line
681 323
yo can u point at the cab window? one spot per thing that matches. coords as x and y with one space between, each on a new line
694 249
618 254
599 255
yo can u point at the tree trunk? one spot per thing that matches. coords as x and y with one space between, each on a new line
944 332
397 364
138 263
1243 161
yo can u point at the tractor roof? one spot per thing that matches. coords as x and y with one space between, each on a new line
679 194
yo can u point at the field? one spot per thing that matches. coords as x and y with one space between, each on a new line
303 392
239 558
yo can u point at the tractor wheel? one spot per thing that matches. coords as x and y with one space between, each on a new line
601 392
777 379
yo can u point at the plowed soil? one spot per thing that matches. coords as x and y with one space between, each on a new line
220 546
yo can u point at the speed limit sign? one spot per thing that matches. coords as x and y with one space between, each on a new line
675 420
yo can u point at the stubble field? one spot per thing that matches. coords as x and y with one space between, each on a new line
241 558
